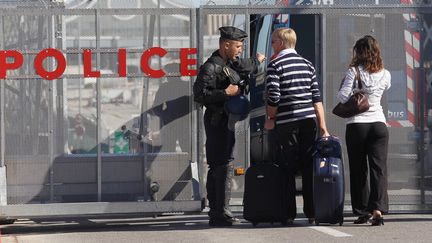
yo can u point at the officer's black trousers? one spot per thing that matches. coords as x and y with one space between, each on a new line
367 147
296 140
219 147
219 191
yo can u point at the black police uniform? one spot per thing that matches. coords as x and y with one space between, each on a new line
209 90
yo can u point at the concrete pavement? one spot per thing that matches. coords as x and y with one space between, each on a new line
194 228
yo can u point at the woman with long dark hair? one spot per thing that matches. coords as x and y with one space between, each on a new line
367 134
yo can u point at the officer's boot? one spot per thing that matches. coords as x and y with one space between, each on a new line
228 187
211 193
218 215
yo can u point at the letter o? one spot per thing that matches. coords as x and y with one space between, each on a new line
50 52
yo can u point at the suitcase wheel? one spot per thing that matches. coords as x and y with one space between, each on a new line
341 222
316 222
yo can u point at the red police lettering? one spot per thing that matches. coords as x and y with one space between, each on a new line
185 61
18 60
122 62
88 65
4 65
50 52
145 62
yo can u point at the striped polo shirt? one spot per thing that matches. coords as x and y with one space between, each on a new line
292 87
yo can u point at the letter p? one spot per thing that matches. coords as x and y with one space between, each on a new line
4 65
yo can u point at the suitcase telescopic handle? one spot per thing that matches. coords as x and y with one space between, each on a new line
262 144
261 139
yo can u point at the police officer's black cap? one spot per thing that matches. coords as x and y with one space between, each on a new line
232 33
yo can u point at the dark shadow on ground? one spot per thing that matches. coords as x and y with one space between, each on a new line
164 223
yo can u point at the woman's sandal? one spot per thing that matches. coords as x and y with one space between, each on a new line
377 221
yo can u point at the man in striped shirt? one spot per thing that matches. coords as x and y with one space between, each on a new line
294 107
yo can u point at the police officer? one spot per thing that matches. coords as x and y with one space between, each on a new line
218 80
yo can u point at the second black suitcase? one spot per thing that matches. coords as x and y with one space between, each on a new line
263 199
328 181
264 192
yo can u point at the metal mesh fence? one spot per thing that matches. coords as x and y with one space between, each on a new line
80 139
141 126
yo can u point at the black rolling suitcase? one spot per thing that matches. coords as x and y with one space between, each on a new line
263 199
328 181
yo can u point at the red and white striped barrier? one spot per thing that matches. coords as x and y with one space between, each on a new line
412 54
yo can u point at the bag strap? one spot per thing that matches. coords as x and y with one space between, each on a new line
359 83
357 77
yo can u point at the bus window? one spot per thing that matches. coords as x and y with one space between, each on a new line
261 45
